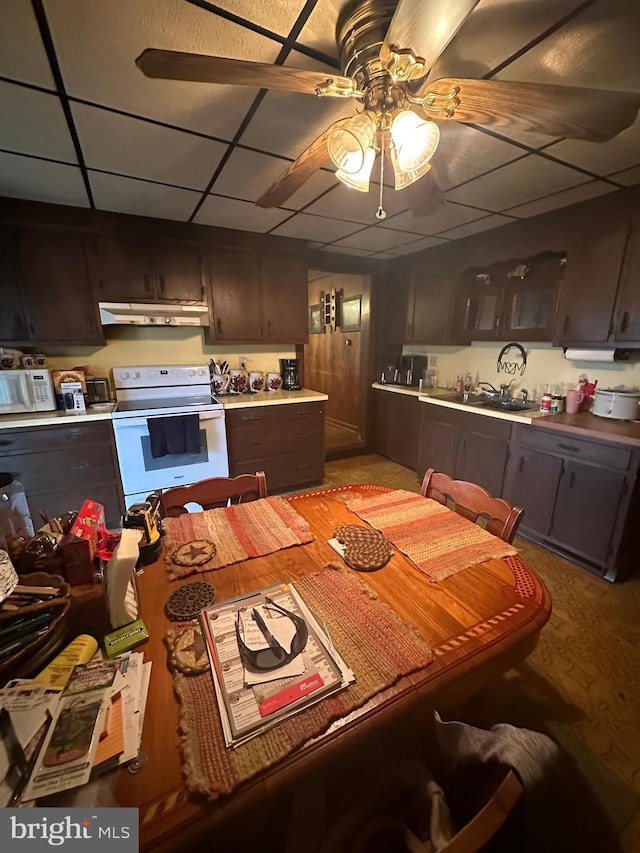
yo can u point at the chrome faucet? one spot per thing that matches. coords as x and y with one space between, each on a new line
504 390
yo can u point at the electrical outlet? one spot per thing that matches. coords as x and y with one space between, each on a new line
243 362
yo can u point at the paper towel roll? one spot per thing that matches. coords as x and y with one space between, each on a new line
602 355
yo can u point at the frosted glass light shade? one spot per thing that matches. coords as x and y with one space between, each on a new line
359 180
414 142
348 145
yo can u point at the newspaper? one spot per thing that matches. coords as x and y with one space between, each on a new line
250 703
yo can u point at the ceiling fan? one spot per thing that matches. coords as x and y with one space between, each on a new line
386 50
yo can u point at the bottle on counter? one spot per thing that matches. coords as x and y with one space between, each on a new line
459 384
545 401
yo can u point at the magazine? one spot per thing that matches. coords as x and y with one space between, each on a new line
250 699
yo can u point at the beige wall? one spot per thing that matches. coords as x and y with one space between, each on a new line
545 364
126 345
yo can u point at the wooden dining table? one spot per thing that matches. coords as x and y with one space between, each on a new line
479 623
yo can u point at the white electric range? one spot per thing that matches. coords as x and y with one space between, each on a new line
144 393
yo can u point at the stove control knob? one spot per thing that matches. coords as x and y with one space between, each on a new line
151 321
191 372
136 374
200 372
168 320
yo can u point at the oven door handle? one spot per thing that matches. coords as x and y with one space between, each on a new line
121 423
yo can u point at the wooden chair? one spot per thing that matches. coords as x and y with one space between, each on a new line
473 502
215 492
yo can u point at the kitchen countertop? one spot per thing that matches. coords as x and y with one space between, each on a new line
271 398
56 418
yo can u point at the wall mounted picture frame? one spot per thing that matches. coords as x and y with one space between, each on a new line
350 314
316 319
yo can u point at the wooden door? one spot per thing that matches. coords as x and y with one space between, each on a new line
123 270
285 306
482 459
589 286
178 272
13 321
235 298
586 509
626 321
534 486
56 287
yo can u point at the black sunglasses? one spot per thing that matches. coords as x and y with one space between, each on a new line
274 656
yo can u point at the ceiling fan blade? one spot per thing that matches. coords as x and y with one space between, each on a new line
195 67
425 195
592 114
312 159
426 27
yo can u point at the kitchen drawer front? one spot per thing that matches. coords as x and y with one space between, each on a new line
282 414
483 424
607 455
257 440
285 472
61 470
56 500
38 439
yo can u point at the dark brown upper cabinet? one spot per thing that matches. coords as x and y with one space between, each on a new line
417 304
56 288
590 284
130 270
515 299
257 298
13 319
625 328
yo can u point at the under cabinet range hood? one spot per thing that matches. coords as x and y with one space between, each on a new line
152 314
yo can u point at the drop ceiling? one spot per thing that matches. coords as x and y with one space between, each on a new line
81 125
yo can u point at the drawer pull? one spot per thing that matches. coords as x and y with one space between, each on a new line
5 443
303 465
80 466
304 435
570 447
253 443
250 417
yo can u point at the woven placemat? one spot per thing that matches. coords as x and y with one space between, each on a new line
239 532
376 644
439 541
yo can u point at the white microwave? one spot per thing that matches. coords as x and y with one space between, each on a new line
26 391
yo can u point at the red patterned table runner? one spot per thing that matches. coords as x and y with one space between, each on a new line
439 541
239 532
376 644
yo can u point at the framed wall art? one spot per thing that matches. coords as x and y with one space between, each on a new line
316 319
350 311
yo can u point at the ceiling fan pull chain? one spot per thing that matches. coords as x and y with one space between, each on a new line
380 212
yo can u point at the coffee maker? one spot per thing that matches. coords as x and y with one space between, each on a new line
289 368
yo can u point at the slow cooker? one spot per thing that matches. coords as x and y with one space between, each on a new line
618 403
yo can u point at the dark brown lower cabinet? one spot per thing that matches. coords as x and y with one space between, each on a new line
285 441
464 445
579 496
396 426
62 466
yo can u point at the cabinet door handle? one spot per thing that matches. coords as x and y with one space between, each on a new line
147 282
268 328
161 283
253 443
80 466
625 322
302 435
572 479
250 417
5 443
453 441
303 465
570 447
219 326
521 465
89 324
497 325
565 325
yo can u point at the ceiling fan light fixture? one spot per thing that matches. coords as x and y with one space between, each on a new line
359 180
406 177
348 145
414 143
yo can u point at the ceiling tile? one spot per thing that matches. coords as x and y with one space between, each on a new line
308 227
628 177
34 123
40 180
346 203
516 183
495 220
465 153
417 246
287 123
279 16
100 65
591 189
141 198
377 239
22 54
493 32
152 152
241 215
320 30
247 175
601 158
447 216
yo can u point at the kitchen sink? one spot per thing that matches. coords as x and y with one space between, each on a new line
485 402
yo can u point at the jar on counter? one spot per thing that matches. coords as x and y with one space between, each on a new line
545 402
557 404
